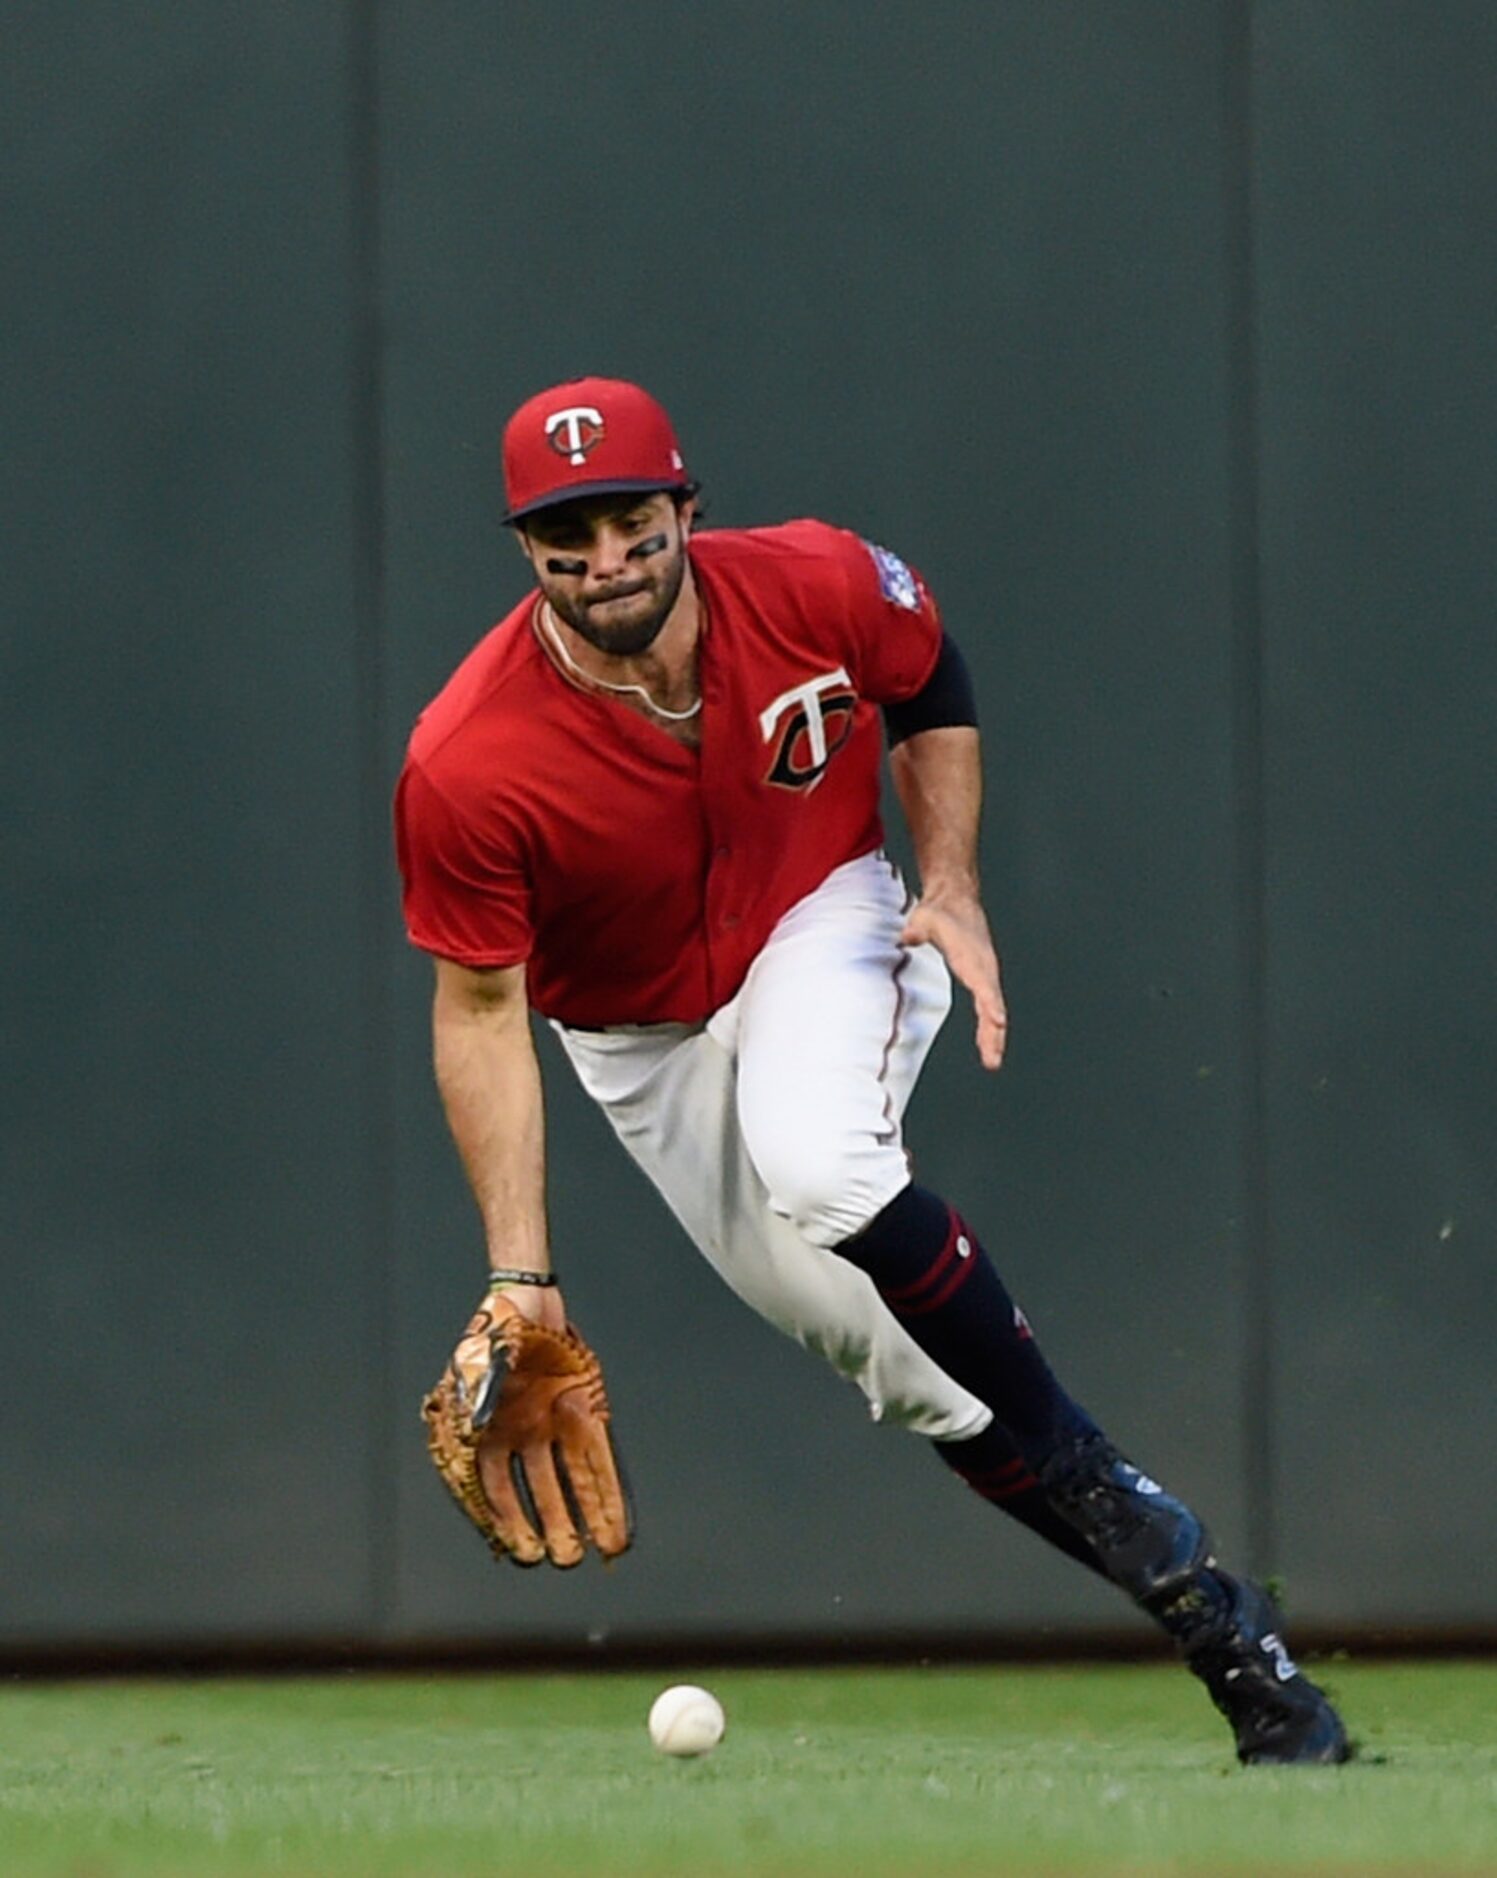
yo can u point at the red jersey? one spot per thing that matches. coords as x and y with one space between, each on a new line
537 821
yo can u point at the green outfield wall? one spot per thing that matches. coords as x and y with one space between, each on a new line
1161 336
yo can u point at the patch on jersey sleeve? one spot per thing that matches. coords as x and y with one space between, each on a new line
896 581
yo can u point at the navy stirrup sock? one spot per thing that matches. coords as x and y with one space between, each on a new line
994 1468
937 1280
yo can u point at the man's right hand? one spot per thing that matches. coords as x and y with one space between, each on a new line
540 1304
518 1429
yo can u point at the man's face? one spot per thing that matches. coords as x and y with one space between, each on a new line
611 566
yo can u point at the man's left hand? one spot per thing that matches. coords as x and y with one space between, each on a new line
958 928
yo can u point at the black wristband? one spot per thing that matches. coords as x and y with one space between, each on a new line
520 1278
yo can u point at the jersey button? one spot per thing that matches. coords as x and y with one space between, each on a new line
730 920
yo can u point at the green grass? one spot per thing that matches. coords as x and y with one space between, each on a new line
934 1773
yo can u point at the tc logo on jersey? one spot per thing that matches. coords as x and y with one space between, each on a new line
808 725
575 431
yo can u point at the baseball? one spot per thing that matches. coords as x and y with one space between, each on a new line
685 1720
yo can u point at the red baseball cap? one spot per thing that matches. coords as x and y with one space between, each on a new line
588 437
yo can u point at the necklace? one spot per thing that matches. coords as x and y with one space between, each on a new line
553 633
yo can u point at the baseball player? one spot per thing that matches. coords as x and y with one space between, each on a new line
646 807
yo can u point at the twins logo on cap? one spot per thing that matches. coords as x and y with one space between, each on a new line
592 436
575 431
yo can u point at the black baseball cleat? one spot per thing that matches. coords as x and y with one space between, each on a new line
1278 1715
1148 1543
1152 1546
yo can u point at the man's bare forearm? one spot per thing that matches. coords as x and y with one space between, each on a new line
490 1085
938 778
938 775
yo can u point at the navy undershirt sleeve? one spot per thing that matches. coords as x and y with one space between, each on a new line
945 699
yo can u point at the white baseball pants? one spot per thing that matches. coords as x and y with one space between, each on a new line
773 1130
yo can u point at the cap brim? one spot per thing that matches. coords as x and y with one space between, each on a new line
577 492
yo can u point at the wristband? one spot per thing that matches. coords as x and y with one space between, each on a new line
520 1278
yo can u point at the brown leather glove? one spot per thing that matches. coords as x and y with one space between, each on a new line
523 1407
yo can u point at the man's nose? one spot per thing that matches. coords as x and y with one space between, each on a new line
609 557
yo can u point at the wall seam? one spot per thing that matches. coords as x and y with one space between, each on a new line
376 1213
1249 785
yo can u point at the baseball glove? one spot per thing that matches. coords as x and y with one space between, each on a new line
518 1429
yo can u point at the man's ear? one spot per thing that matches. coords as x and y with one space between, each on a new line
522 542
687 512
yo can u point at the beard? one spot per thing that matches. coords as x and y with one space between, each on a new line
636 631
